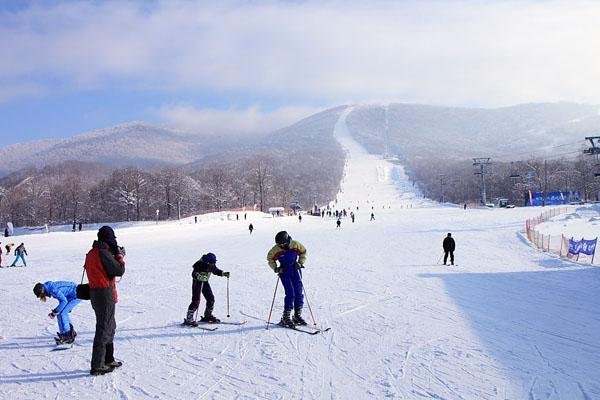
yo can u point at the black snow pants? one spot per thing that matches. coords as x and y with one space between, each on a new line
451 256
104 308
197 286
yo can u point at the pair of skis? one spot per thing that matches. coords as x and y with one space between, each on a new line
202 325
298 328
303 328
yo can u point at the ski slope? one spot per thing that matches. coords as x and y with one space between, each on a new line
508 322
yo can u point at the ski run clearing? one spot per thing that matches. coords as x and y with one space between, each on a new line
508 322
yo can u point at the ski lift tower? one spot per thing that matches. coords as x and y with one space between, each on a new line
594 150
482 168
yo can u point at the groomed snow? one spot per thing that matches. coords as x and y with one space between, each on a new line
508 322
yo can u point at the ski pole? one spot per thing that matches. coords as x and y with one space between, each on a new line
439 259
273 302
228 297
308 303
199 300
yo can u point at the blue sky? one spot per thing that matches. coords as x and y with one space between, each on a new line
249 66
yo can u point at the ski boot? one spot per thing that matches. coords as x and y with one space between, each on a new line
210 319
63 338
297 318
189 322
73 333
189 319
285 319
105 369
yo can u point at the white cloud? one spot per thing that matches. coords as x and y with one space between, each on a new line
232 121
440 52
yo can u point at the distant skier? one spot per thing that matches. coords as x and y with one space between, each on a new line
66 294
291 256
202 270
448 245
250 228
372 217
0 254
465 206
6 234
20 252
80 226
352 216
338 223
299 218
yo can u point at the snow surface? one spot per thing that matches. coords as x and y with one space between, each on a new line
508 322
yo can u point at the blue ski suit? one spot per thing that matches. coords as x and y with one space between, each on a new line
66 294
291 277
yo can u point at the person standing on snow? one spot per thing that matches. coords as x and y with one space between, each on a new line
250 228
20 252
291 256
448 245
103 263
200 274
338 223
66 294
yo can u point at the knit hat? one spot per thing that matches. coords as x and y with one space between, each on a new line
106 234
209 258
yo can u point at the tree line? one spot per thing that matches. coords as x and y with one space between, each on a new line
456 181
91 193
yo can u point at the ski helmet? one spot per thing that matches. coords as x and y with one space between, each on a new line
209 258
283 238
38 290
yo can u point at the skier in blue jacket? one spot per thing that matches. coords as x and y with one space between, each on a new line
66 294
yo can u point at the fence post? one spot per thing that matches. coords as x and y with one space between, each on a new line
549 236
562 239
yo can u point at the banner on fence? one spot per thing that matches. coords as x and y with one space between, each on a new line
551 198
582 246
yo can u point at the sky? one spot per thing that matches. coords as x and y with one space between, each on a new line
254 66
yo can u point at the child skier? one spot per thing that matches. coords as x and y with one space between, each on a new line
20 252
66 294
200 275
291 255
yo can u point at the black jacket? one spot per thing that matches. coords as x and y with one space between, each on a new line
448 244
201 271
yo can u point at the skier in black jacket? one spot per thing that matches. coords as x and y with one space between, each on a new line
200 275
448 245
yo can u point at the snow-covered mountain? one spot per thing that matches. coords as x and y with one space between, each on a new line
134 143
409 130
507 133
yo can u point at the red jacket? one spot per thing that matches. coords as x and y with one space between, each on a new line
102 267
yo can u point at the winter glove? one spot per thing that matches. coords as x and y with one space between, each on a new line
278 270
226 274
121 250
52 314
298 265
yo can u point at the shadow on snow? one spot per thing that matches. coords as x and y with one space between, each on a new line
543 327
